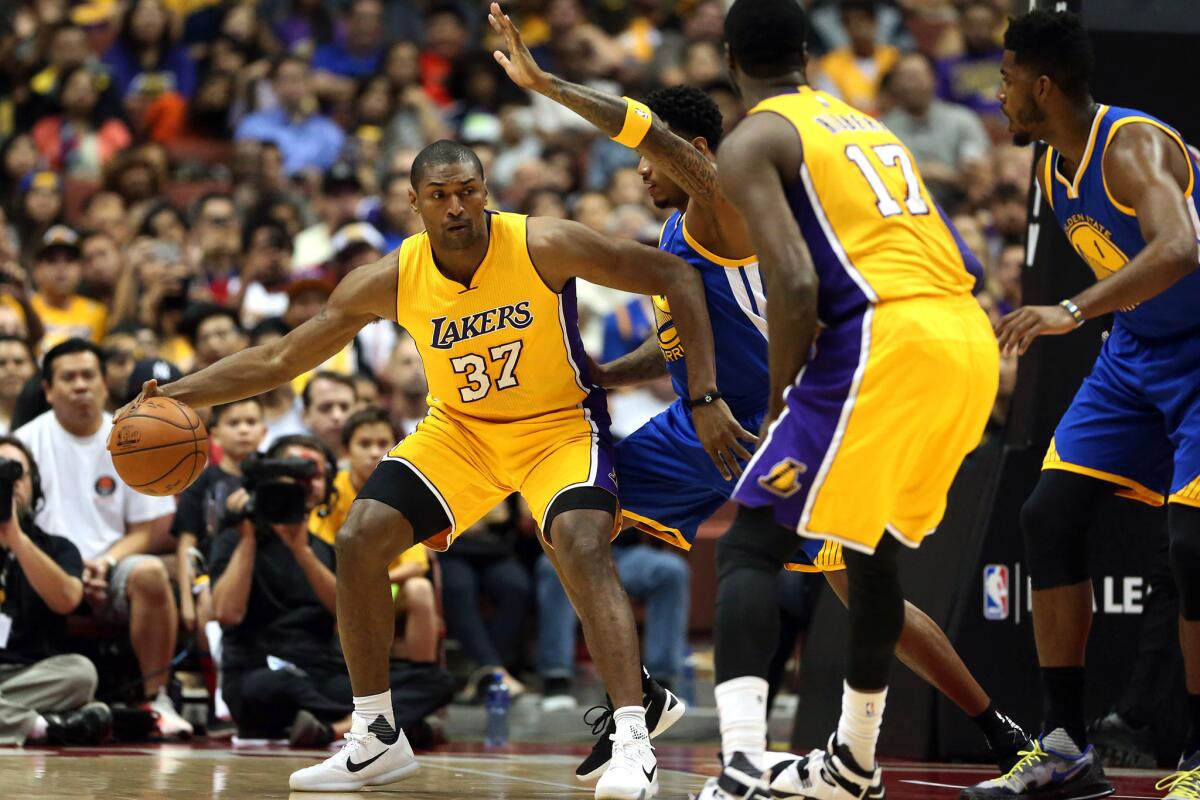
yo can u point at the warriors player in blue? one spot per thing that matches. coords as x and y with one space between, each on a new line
1124 187
669 484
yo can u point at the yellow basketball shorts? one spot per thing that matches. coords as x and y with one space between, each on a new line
878 423
470 466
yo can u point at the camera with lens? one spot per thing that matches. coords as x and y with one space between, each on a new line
10 472
277 488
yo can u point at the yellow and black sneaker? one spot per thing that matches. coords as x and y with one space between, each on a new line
1184 784
1054 768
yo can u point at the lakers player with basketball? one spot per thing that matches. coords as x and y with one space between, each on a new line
490 299
668 485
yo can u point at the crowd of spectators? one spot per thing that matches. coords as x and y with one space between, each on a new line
181 179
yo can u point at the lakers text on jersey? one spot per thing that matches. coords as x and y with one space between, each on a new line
511 406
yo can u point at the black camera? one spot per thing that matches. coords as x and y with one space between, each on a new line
277 489
10 472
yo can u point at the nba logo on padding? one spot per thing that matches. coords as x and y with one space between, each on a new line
995 592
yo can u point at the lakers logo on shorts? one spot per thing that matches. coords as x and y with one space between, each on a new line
784 477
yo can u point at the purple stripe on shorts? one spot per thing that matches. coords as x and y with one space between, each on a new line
596 402
787 463
839 296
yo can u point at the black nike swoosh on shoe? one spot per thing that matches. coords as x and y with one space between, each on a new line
350 765
383 731
650 775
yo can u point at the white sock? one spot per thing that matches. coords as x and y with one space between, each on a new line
858 728
368 709
39 730
631 723
742 710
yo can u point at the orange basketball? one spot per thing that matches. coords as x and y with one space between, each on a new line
160 447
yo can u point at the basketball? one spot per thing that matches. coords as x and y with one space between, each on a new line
160 447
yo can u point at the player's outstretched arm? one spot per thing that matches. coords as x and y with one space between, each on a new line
562 250
1145 170
682 163
752 162
365 295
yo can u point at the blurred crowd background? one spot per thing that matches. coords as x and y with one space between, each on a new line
180 179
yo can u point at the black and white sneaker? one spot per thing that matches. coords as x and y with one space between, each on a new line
378 755
739 780
829 774
663 709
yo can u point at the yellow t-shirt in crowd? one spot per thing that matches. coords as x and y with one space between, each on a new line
325 520
82 317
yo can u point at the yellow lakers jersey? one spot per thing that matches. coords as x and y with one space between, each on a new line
873 229
82 317
504 348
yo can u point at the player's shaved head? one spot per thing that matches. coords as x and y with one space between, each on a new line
441 153
1054 44
767 38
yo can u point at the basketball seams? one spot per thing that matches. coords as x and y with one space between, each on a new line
193 441
175 466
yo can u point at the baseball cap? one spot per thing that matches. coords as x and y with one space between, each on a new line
340 176
357 233
159 369
58 238
41 179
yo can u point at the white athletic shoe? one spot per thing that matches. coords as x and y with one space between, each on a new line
169 722
374 757
633 772
830 774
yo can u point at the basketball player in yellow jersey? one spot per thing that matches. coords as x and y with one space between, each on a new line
869 419
490 300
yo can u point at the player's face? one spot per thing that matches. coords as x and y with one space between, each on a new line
664 193
241 430
1018 100
451 201
369 444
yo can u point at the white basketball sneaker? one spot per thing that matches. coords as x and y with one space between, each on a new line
633 772
374 757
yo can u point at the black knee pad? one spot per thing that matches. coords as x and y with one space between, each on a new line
1055 533
755 541
1184 527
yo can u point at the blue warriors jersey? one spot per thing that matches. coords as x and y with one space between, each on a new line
737 307
1106 233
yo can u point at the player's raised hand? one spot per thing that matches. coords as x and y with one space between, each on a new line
722 436
519 64
1019 328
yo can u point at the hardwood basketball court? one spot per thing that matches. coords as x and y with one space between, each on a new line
183 772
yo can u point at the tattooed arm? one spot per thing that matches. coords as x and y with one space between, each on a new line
689 168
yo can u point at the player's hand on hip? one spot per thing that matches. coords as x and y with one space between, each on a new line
1018 329
519 64
722 436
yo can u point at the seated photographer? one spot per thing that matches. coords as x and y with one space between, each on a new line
274 595
45 693
368 435
238 429
115 528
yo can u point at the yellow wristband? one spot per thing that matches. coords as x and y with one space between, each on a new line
638 119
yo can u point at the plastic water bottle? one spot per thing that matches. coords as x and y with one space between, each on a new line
498 701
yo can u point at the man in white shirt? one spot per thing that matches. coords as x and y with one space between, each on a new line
114 527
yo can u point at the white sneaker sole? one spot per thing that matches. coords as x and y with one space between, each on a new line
671 715
398 774
616 794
